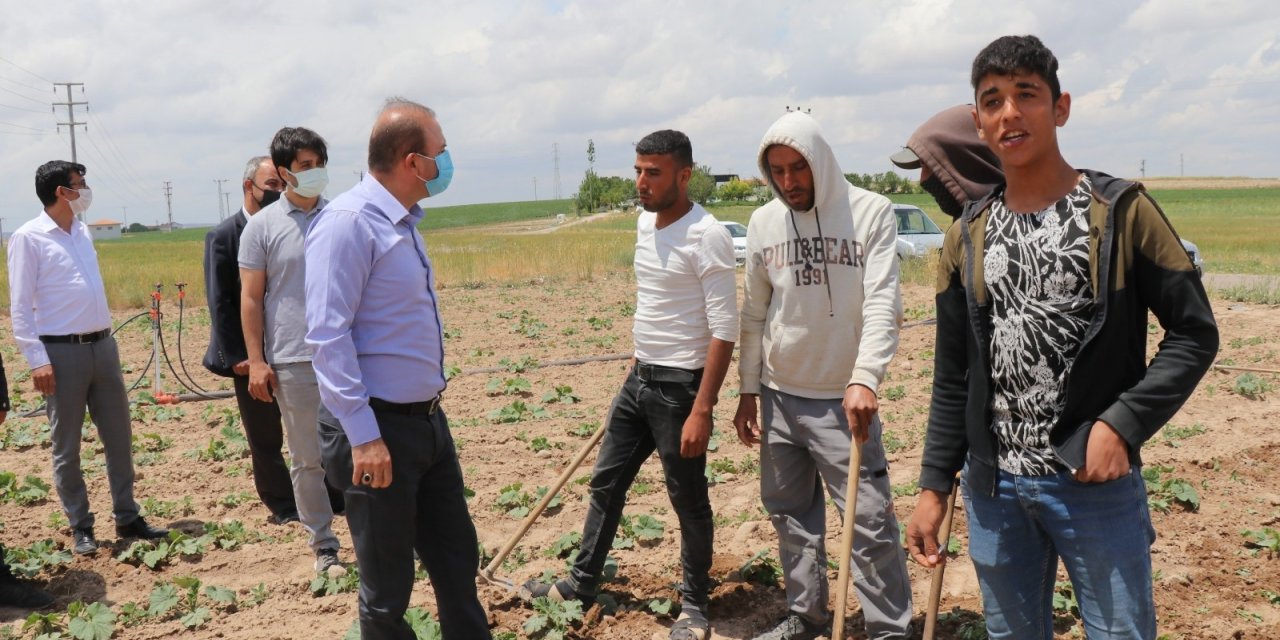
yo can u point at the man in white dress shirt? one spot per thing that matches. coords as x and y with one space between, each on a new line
63 327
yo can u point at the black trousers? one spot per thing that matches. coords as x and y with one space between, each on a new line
648 415
424 510
261 422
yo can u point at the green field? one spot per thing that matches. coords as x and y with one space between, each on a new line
1237 230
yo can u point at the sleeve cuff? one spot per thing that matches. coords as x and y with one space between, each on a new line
866 379
361 427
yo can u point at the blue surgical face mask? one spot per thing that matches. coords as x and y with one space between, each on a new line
444 175
311 182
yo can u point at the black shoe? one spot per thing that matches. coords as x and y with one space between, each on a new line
326 558
23 596
84 544
559 591
140 529
284 518
793 627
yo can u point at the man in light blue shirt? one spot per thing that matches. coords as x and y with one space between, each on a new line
373 320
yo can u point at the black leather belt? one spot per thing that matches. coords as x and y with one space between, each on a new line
658 373
427 407
77 338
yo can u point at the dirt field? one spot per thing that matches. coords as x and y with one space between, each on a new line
1211 583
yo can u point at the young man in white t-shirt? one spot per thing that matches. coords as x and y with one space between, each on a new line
686 323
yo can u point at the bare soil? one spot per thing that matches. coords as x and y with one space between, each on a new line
1210 582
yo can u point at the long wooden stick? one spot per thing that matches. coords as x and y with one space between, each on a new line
487 572
935 587
846 543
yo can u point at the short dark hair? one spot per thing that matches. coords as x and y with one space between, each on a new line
667 142
398 138
54 174
1010 55
290 140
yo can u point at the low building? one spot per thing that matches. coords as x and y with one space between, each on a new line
105 229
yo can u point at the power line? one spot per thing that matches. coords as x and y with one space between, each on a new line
21 84
24 70
24 97
9 106
26 127
101 125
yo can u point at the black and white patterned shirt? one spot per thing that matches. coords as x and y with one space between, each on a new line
1037 274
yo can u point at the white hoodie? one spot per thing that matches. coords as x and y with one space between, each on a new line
813 332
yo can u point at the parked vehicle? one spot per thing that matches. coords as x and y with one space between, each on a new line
917 234
739 233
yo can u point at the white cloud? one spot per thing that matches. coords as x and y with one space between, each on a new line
186 90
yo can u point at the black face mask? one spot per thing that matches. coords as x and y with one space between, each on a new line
947 202
268 196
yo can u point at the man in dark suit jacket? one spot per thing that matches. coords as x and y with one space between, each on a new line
227 355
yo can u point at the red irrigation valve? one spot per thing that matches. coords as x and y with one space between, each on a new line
167 398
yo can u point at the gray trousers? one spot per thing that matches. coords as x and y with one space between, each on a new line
807 440
89 375
298 395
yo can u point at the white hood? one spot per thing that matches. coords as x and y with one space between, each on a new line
802 133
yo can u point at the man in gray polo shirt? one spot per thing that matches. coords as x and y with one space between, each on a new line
273 314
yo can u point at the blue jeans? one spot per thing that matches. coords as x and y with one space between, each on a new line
648 415
1101 531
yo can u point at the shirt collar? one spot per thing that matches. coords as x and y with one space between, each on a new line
378 196
45 223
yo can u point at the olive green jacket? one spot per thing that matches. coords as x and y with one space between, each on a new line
1136 264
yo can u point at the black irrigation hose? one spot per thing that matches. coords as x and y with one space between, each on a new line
194 387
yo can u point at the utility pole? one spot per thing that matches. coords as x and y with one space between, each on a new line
535 188
1182 167
71 123
226 198
168 202
555 151
1142 167
1 233
222 212
125 212
359 173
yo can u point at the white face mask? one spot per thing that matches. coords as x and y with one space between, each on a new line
81 204
311 182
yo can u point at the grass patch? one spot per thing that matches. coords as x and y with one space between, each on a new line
469 215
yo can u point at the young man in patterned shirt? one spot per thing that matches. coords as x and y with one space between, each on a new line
1042 390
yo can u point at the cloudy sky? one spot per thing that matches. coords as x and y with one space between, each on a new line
186 91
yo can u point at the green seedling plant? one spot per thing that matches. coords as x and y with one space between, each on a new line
1163 493
93 621
642 529
599 323
1173 435
155 555
583 430
23 434
529 326
565 545
515 412
327 585
1264 539
30 561
1252 386
541 443
524 363
552 620
515 386
563 394
761 568
31 490
516 502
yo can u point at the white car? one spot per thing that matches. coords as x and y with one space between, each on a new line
917 234
739 234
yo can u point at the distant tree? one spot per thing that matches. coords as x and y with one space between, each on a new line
701 185
588 190
735 190
136 228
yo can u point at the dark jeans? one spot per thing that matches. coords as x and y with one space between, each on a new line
265 433
261 422
649 414
424 510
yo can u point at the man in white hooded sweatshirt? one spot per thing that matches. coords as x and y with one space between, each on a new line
820 321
